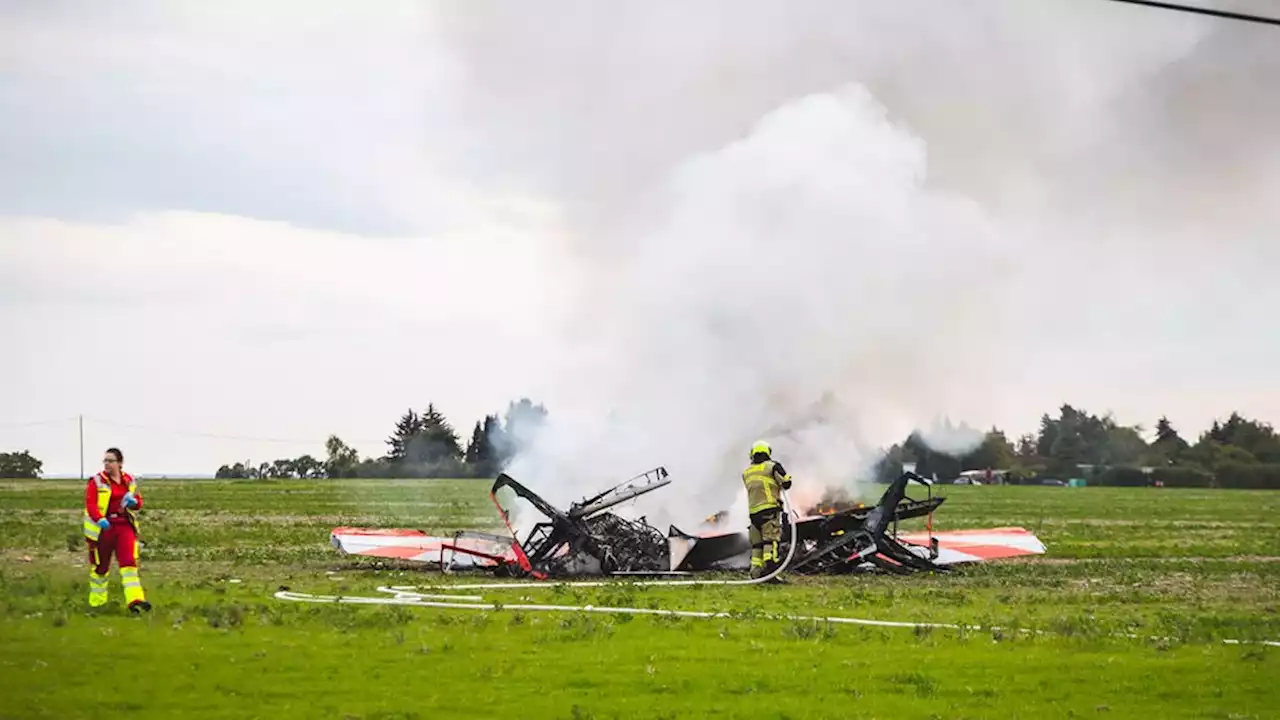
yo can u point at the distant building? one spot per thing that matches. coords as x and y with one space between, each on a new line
988 476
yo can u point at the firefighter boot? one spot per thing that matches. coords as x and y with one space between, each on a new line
769 567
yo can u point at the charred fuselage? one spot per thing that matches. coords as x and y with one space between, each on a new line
587 539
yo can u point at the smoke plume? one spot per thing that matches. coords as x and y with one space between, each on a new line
828 225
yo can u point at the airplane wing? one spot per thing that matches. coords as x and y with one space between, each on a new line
463 550
962 546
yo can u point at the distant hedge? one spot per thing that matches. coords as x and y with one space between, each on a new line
1183 477
1249 476
1232 475
1123 477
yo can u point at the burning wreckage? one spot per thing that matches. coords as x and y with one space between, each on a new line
588 539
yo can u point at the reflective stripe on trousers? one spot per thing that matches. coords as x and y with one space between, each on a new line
132 585
97 589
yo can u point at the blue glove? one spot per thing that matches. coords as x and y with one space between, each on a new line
104 523
128 501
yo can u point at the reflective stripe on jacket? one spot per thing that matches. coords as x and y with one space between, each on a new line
99 487
763 484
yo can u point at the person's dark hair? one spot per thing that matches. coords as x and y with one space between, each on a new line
116 451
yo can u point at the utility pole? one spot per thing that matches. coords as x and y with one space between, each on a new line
82 447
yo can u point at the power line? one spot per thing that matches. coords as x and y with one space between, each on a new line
218 436
179 432
35 423
1204 11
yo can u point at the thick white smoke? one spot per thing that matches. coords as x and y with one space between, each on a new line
783 276
828 226
680 227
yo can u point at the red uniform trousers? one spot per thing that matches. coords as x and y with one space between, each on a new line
119 540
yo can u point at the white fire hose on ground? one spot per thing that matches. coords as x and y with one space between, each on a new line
445 597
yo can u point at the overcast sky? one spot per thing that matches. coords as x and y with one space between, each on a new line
272 222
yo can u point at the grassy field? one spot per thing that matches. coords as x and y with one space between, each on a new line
1188 566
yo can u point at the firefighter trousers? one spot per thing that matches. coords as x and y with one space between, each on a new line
765 533
120 540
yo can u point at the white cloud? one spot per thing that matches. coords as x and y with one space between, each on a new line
322 114
242 222
214 324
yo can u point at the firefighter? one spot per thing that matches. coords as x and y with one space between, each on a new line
111 499
763 478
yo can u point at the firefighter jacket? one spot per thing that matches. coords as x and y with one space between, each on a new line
763 481
103 498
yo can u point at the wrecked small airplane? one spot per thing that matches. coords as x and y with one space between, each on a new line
587 539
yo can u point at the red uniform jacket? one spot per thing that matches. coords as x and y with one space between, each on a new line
118 491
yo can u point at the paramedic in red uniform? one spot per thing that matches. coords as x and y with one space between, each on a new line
110 499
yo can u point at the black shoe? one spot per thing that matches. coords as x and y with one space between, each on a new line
138 606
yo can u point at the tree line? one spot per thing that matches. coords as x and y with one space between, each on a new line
1238 452
421 445
20 465
1074 443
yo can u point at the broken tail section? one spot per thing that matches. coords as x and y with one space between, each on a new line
863 538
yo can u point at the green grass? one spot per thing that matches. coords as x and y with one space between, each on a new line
1191 567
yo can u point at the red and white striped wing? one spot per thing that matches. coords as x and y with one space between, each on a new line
417 546
961 546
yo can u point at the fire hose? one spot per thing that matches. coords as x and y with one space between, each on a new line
445 597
